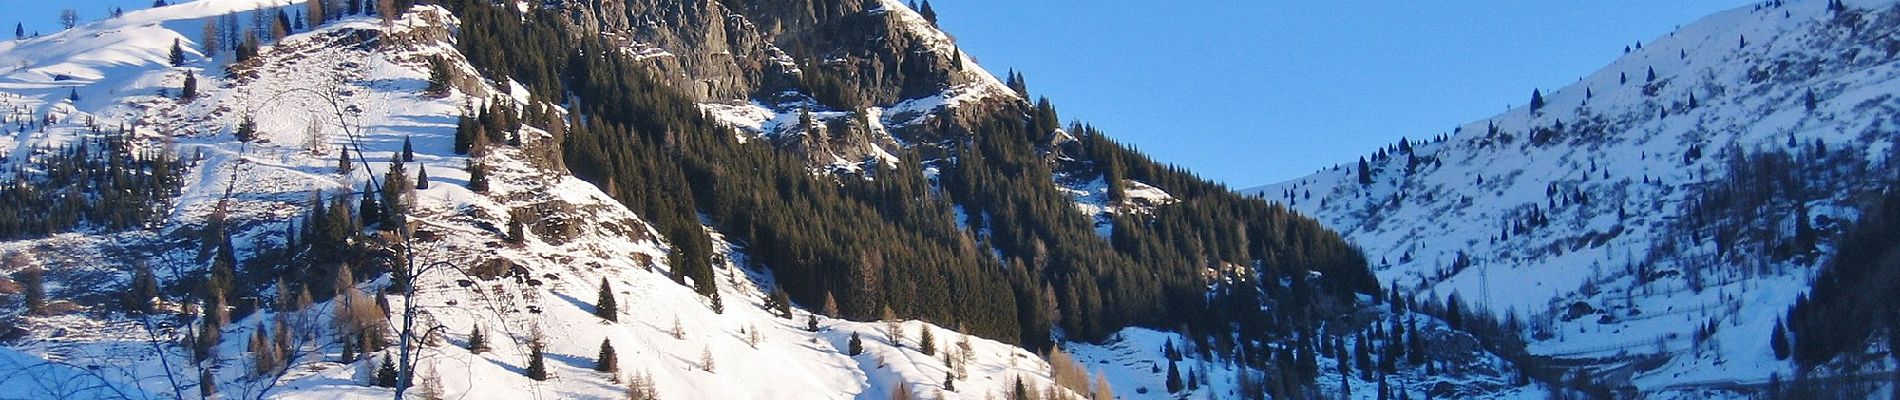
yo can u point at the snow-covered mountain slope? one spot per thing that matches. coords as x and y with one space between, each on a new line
1648 222
359 83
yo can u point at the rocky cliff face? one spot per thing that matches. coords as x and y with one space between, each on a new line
730 50
842 82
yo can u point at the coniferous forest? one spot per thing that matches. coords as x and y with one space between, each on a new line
1228 268
103 182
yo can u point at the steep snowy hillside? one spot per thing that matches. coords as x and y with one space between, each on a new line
362 86
745 199
1653 222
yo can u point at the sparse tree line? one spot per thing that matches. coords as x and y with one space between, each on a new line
104 181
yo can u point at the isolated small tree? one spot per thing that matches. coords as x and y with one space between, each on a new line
607 361
314 12
1779 341
476 342
210 39
343 164
893 328
430 385
19 31
856 345
927 342
900 392
1810 101
706 359
33 285
1365 172
422 177
477 176
177 54
368 209
831 305
1174 378
280 27
1537 100
780 302
246 129
604 306
930 14
349 350
142 295
640 387
811 322
408 150
465 133
517 232
69 18
537 367
386 374
387 11
438 77
207 384
679 331
190 89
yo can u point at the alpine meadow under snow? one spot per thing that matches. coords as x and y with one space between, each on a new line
828 199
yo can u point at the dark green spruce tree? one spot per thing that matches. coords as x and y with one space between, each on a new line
477 176
177 54
607 361
604 305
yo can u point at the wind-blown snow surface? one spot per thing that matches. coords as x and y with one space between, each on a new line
120 71
1629 148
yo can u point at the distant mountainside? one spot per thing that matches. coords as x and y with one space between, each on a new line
1650 227
635 199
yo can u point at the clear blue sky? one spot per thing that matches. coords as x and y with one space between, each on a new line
43 15
1258 91
1253 92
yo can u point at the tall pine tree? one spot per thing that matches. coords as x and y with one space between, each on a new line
177 54
190 89
408 150
604 306
477 177
607 361
537 366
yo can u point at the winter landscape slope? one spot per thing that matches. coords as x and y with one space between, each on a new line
118 68
262 147
1639 224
